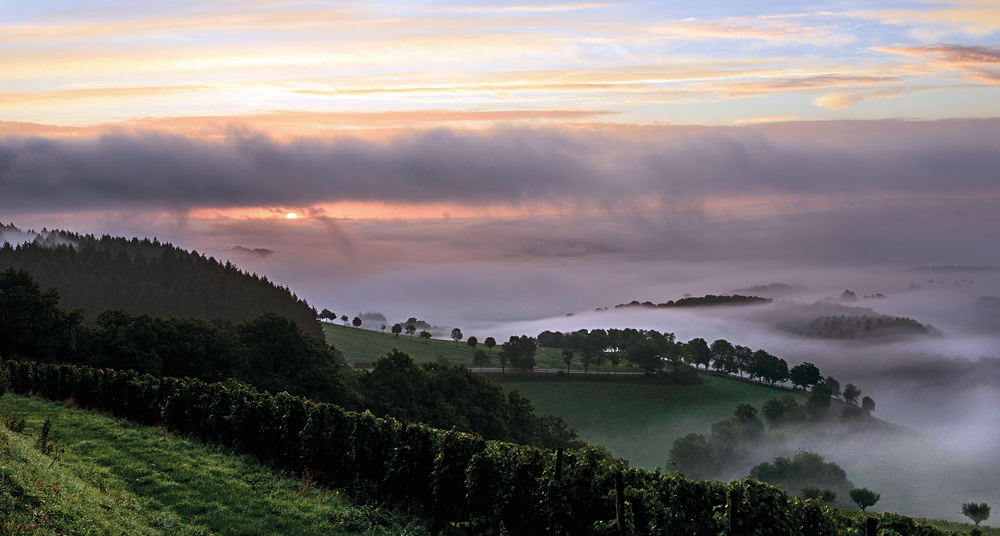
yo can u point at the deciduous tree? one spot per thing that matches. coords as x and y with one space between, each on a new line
457 335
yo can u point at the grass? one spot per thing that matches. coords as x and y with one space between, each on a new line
641 422
108 476
366 346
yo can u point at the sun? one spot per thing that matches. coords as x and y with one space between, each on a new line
291 216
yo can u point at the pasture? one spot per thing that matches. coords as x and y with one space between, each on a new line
102 475
640 422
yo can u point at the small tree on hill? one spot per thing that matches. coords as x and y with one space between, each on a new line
868 404
480 359
472 342
490 342
425 335
411 329
345 320
977 512
615 358
805 375
383 329
397 329
327 314
457 335
356 322
851 394
567 358
864 497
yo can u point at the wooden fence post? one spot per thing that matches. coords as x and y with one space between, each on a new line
871 526
620 503
732 509
559 456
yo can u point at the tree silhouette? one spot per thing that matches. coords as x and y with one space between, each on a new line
567 358
851 394
356 322
397 328
864 497
327 314
480 359
457 335
426 335
868 404
411 329
345 320
383 329
472 342
490 342
977 512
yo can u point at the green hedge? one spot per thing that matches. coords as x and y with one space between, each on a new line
459 482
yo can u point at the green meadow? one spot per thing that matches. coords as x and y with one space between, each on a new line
640 422
366 346
101 475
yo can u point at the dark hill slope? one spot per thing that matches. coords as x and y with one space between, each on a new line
149 277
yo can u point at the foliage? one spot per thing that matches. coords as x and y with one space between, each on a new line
453 397
447 477
150 277
977 512
112 477
729 441
864 497
519 352
805 470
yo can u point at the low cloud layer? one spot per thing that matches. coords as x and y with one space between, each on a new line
668 168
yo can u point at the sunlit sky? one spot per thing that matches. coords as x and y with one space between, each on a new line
312 67
468 141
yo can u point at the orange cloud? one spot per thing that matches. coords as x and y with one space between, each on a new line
980 63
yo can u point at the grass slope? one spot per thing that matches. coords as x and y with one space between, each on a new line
108 476
641 422
363 345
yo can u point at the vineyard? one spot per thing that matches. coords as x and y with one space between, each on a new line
458 482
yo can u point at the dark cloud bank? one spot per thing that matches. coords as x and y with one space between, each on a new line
854 159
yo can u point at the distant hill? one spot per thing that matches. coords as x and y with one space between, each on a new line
774 289
702 301
148 277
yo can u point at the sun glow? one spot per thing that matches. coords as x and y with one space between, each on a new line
291 216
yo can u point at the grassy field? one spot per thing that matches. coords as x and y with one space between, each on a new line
107 476
640 422
362 345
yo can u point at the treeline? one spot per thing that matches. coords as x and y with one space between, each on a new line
150 277
271 353
855 327
451 479
651 351
701 301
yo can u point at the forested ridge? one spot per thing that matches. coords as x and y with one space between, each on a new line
271 353
149 277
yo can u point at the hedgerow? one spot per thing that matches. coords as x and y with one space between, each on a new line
459 482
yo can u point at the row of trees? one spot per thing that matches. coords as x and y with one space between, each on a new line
449 478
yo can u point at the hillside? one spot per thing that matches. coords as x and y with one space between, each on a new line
108 476
359 345
149 277
640 422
